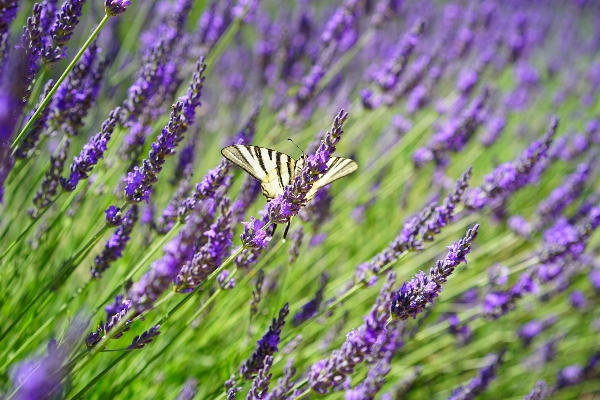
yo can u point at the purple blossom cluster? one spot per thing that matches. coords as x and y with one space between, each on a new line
113 249
266 346
360 344
209 256
138 184
91 153
287 205
413 296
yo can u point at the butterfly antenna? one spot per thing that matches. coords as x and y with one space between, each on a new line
303 155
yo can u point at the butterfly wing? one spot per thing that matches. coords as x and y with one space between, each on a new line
273 169
337 167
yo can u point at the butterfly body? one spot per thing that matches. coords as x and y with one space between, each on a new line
276 170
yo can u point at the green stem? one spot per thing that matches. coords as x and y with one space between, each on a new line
60 80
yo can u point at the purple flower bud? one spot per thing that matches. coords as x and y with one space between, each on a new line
285 206
478 384
284 384
260 384
116 7
138 184
414 295
139 342
266 346
50 184
113 249
91 153
224 281
64 26
578 299
208 256
114 217
254 235
188 391
360 344
311 308
153 283
38 127
539 392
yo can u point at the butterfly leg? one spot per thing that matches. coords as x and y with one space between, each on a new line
274 229
287 228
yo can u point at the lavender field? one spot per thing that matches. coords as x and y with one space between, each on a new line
458 261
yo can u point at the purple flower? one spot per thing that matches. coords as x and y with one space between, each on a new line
260 384
254 235
571 188
64 26
493 129
284 384
414 295
50 184
141 341
569 376
509 177
37 378
311 308
224 281
539 392
285 206
359 345
248 194
114 217
116 7
115 314
266 346
533 328
188 391
257 292
78 93
578 299
138 183
153 283
91 153
214 185
297 238
113 249
37 128
478 384
456 133
209 255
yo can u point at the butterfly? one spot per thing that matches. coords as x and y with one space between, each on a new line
277 170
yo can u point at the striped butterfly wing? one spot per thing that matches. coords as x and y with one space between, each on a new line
273 169
337 167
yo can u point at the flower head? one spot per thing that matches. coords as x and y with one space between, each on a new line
116 7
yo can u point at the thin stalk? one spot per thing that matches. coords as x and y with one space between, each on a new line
59 82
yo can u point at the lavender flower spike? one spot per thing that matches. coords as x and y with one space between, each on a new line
414 296
288 204
138 184
37 128
260 384
43 197
267 345
331 372
116 7
146 291
66 21
480 382
113 249
254 235
91 153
